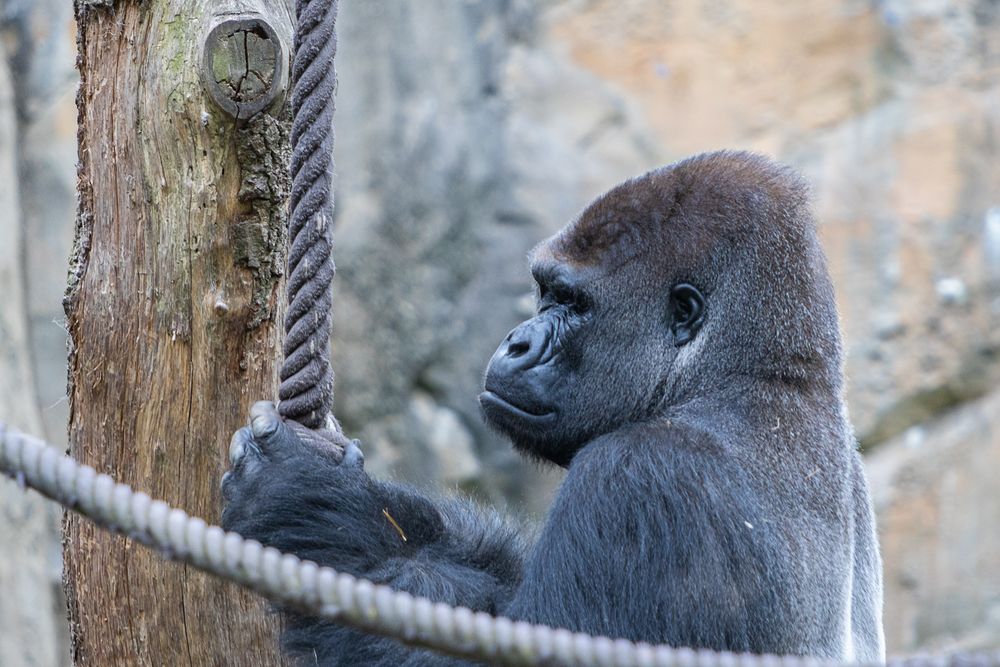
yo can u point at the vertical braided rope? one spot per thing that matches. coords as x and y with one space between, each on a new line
306 390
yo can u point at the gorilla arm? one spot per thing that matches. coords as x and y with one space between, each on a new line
286 492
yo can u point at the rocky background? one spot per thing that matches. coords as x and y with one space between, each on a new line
470 130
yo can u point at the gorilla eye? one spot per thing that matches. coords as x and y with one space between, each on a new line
687 306
561 295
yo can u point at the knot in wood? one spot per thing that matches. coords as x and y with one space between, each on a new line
244 67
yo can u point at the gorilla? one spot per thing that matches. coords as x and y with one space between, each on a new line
685 368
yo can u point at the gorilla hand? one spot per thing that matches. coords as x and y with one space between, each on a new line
306 492
270 440
283 474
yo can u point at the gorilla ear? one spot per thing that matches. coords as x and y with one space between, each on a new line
687 309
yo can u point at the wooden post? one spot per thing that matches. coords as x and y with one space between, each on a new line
175 302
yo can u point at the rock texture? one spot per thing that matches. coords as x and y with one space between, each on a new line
938 504
29 565
468 130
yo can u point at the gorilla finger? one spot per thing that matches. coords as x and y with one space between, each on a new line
240 444
353 456
226 484
264 420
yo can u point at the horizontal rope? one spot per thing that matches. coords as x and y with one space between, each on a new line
324 592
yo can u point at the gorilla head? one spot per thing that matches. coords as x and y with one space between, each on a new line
661 290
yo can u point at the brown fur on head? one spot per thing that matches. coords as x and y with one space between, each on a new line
704 198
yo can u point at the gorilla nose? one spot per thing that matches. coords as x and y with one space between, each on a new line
525 346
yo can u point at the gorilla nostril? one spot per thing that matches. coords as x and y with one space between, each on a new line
517 348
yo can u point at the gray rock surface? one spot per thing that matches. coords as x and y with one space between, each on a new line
468 153
31 629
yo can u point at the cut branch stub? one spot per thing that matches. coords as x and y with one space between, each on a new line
244 67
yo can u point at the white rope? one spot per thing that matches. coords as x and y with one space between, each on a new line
322 591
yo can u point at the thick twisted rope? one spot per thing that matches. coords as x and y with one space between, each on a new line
322 591
306 390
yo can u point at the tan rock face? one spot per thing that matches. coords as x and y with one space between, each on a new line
711 74
936 494
905 215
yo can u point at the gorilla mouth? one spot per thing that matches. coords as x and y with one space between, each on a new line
491 401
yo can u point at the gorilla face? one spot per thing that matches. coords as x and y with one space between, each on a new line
590 360
534 376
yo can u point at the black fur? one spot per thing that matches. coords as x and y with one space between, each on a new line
685 367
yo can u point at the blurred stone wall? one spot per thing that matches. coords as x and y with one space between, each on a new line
37 167
467 131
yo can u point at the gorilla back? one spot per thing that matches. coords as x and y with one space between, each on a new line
685 366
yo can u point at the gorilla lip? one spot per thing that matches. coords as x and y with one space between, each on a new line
489 399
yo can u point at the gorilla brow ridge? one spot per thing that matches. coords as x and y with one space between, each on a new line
619 234
547 272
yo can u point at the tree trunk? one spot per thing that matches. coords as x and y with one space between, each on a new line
174 304
28 524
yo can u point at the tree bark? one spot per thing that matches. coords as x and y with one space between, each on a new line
174 306
30 634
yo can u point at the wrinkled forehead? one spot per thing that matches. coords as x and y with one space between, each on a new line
619 225
551 263
592 247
